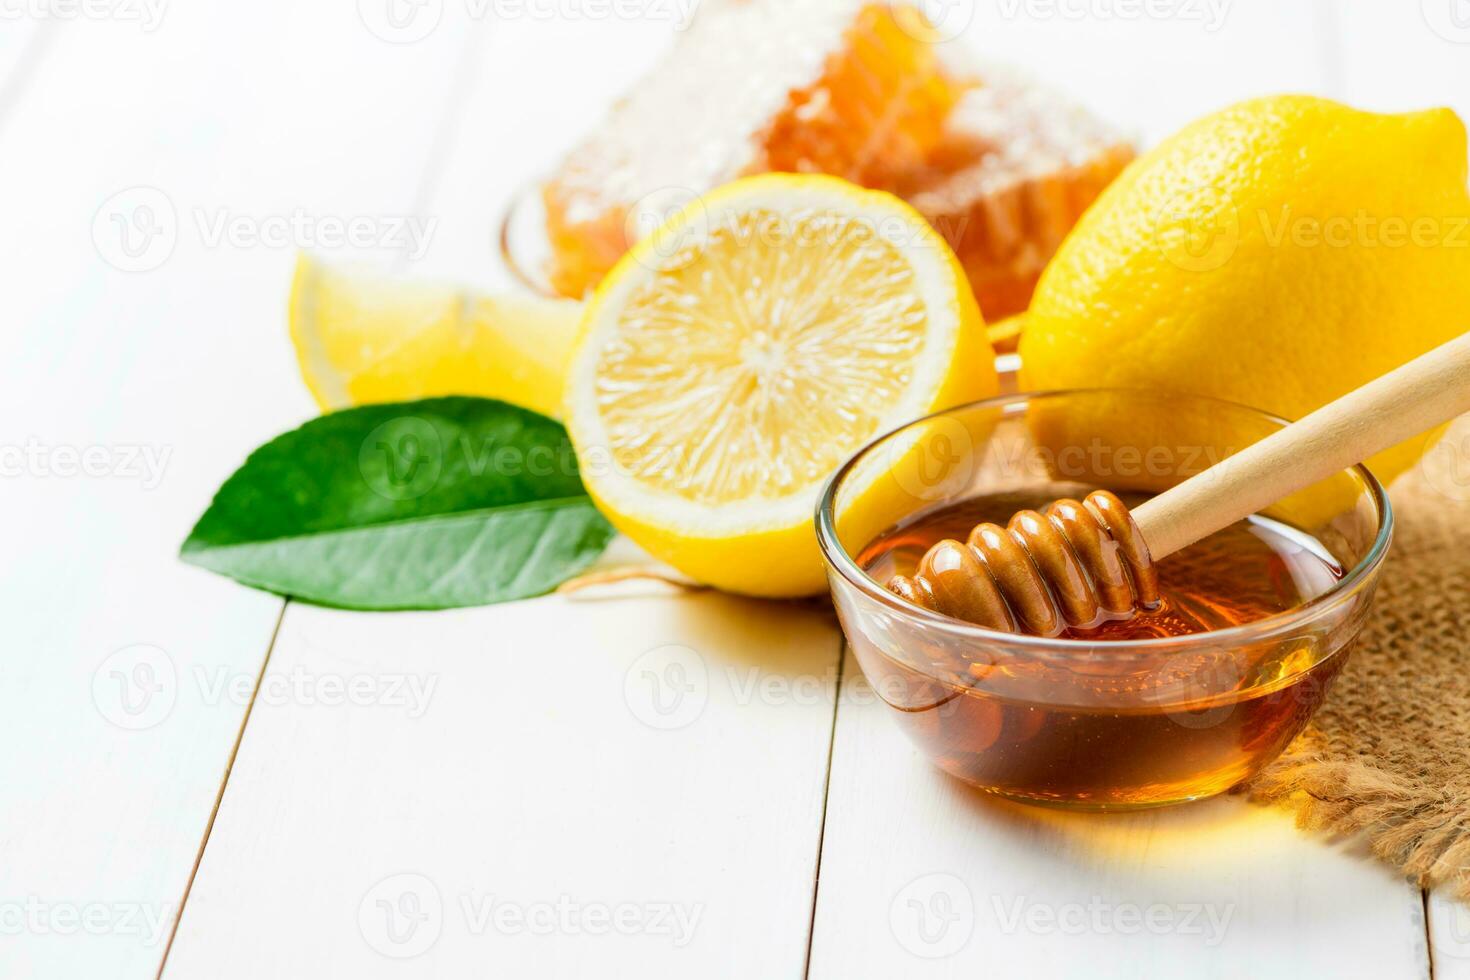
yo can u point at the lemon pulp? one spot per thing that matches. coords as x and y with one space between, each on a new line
758 366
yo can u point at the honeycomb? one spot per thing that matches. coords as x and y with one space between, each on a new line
844 87
1016 167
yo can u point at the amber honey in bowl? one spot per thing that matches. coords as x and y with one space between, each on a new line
1092 728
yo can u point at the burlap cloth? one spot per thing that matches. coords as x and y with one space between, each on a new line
1388 756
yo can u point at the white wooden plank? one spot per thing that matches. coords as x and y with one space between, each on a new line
241 111
648 758
1401 57
922 876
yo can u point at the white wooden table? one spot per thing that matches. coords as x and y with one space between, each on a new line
204 782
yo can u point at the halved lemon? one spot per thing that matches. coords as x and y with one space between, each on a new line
363 338
735 357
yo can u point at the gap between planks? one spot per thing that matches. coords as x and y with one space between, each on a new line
811 929
224 783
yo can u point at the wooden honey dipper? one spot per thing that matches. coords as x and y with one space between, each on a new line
1079 564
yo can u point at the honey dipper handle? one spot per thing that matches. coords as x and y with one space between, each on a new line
1429 390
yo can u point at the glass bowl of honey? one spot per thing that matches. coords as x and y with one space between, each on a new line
1173 704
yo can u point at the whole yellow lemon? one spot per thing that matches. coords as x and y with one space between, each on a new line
1278 253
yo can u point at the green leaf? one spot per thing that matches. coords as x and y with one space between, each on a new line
422 505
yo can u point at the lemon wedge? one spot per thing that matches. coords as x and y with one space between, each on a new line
1006 334
363 338
736 356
